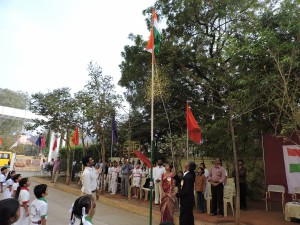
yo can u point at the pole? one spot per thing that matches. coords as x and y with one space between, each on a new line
111 147
187 144
152 125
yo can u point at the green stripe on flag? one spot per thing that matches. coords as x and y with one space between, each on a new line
294 168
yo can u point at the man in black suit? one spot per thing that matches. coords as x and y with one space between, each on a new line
186 195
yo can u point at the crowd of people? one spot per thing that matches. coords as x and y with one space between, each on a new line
171 190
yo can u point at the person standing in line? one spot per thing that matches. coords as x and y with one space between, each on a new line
109 174
217 179
206 174
23 196
242 171
9 184
200 185
9 211
186 195
168 195
136 180
16 178
3 181
125 177
89 177
114 178
39 206
157 174
56 169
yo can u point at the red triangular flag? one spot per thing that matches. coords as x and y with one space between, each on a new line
54 145
75 138
192 126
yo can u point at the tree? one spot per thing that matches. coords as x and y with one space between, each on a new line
102 102
10 128
59 109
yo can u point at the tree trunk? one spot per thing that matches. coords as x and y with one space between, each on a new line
68 159
237 199
103 161
83 146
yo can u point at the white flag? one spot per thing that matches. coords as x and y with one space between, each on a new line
14 145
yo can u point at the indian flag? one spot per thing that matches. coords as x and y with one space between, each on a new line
155 36
294 160
291 154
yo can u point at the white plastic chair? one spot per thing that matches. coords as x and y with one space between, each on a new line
228 198
295 192
276 189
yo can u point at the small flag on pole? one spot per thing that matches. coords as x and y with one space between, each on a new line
39 141
54 145
114 131
75 138
155 36
192 126
43 142
14 145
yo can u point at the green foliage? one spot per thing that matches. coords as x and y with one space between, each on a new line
14 99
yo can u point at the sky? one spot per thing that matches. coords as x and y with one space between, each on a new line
47 44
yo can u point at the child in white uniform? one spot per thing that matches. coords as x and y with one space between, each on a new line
136 180
39 206
16 178
9 184
23 196
114 178
2 181
83 210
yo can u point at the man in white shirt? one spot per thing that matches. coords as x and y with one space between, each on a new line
157 174
89 177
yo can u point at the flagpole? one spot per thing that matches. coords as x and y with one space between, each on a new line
187 136
152 125
111 147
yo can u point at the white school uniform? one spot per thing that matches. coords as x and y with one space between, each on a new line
114 179
24 198
14 188
3 181
136 177
8 191
38 210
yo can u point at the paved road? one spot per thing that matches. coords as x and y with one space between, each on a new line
60 202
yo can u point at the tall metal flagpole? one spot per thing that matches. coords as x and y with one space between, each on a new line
152 124
187 136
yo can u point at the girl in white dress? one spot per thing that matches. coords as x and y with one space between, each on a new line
83 210
16 178
9 184
23 196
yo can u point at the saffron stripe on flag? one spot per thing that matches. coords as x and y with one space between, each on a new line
293 152
294 168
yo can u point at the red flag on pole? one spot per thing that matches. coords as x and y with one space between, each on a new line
192 126
54 145
75 138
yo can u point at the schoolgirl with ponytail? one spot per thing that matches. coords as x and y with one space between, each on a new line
9 184
83 210
23 196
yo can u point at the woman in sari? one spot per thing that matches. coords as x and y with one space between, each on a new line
168 195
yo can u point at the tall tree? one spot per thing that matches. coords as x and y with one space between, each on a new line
59 109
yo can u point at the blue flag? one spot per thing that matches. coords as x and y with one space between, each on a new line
39 141
114 131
